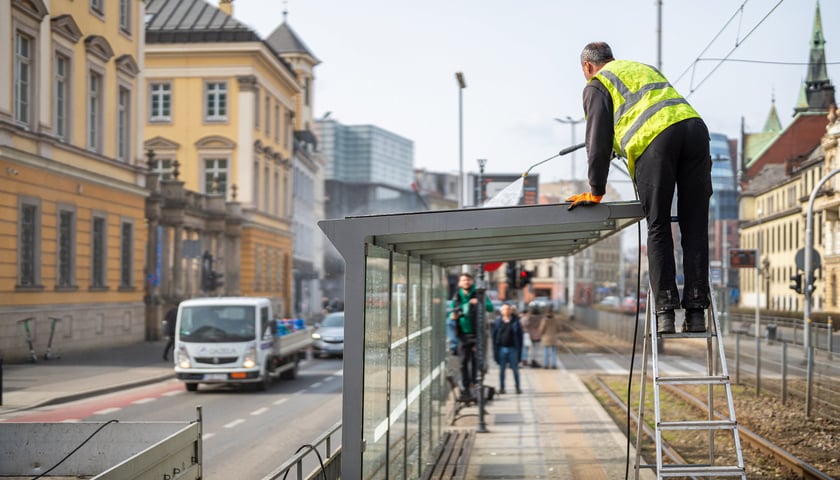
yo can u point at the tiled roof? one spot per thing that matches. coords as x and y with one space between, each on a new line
284 40
188 21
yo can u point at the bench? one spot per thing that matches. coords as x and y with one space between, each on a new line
452 457
458 400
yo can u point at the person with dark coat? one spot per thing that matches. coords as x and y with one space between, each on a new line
507 345
634 112
464 308
170 319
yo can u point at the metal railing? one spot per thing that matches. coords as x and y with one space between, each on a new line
310 458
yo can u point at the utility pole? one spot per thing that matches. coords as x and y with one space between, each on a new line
462 84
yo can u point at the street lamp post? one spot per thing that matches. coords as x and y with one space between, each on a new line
570 306
572 122
480 186
462 84
758 274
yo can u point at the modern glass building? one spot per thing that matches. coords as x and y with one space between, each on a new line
723 211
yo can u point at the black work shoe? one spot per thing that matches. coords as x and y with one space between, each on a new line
695 320
518 390
501 391
665 322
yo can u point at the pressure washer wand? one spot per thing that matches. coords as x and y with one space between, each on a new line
565 151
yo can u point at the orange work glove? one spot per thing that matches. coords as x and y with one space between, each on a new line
583 199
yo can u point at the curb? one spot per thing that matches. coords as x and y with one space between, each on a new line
91 393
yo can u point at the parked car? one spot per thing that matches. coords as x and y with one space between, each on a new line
611 301
628 304
329 336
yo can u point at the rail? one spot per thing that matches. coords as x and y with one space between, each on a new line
327 467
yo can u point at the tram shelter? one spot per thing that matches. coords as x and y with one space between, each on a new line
396 295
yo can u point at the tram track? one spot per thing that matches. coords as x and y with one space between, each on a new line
584 345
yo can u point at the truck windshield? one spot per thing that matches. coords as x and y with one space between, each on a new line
217 324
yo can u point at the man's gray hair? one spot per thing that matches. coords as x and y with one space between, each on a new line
596 53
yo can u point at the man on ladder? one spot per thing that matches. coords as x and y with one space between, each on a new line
632 110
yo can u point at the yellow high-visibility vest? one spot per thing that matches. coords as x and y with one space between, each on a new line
644 104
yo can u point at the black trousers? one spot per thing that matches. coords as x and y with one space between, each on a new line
677 157
468 358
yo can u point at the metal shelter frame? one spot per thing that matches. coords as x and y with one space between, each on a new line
390 413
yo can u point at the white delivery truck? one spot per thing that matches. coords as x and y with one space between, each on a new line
235 340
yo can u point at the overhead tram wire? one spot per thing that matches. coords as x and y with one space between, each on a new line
738 43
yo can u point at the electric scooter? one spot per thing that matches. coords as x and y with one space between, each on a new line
33 357
49 355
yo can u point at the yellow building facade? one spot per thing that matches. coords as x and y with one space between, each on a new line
72 228
221 102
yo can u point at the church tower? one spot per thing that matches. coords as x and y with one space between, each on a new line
817 92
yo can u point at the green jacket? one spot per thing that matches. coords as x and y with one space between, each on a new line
466 324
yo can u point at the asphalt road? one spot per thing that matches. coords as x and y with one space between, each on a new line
247 433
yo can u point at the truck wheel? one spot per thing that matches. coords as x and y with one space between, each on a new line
191 387
291 373
264 383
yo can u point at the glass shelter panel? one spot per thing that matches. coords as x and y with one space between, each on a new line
375 392
413 372
399 352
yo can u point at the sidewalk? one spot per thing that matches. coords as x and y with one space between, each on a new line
554 429
79 375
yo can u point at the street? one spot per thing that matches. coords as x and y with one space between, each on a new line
247 433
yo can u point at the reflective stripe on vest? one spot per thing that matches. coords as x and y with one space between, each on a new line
644 104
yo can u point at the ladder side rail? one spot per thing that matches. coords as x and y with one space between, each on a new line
657 407
641 419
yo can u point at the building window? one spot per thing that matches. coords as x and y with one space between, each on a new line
160 97
276 204
277 123
125 16
266 189
124 124
23 78
215 175
96 6
267 113
97 252
287 128
66 247
29 238
306 91
126 245
257 109
258 268
216 93
95 111
62 95
162 167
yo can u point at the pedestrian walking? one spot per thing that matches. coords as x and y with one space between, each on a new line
507 345
549 329
169 320
633 111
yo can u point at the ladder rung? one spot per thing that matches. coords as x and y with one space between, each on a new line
701 470
705 334
695 380
699 425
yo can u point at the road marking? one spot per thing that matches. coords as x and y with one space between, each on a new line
279 402
316 385
329 378
259 411
234 423
144 400
71 420
338 373
107 411
207 436
172 393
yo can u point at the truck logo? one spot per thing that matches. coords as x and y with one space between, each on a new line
215 360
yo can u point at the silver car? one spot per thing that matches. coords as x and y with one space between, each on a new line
329 336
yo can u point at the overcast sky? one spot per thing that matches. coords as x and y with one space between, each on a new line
392 63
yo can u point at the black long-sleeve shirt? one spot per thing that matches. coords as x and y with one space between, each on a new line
600 129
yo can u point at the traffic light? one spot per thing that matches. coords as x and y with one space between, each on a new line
524 278
206 271
796 283
216 281
512 275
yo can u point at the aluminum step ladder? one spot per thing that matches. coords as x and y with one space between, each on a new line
715 375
